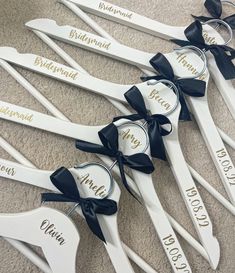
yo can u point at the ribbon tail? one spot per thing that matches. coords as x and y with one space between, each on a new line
92 148
148 78
55 197
93 223
230 20
156 141
181 42
224 63
157 146
184 113
132 117
202 18
124 181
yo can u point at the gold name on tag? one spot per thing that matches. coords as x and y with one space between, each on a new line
7 111
50 230
54 68
182 59
114 10
83 37
100 191
154 95
7 170
208 39
127 135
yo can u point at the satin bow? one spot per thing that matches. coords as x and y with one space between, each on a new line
63 180
223 54
189 87
109 138
214 7
155 122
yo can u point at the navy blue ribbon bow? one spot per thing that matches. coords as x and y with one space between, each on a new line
109 138
189 87
155 122
214 7
63 180
223 54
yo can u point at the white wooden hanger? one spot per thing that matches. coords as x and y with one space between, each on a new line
33 226
51 108
147 190
199 106
153 27
35 258
178 164
108 224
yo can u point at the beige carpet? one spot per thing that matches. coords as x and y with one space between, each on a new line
48 151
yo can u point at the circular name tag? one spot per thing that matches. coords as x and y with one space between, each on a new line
161 97
94 180
133 138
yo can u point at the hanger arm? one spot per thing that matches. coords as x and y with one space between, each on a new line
216 147
64 73
129 18
76 36
27 175
41 121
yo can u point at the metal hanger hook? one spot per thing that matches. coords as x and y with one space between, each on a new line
172 86
201 54
226 25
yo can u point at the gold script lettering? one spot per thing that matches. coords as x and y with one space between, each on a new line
182 59
209 40
49 65
154 95
99 191
8 170
5 110
134 141
83 37
50 230
112 9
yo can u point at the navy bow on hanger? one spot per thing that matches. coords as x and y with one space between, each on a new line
63 180
223 54
214 7
109 138
189 87
154 122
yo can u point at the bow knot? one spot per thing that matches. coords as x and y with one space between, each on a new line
223 54
149 118
154 122
190 87
214 7
109 138
64 181
119 155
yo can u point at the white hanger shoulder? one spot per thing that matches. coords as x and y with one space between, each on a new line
48 228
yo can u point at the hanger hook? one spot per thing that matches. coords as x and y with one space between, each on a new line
228 2
226 25
201 54
172 86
